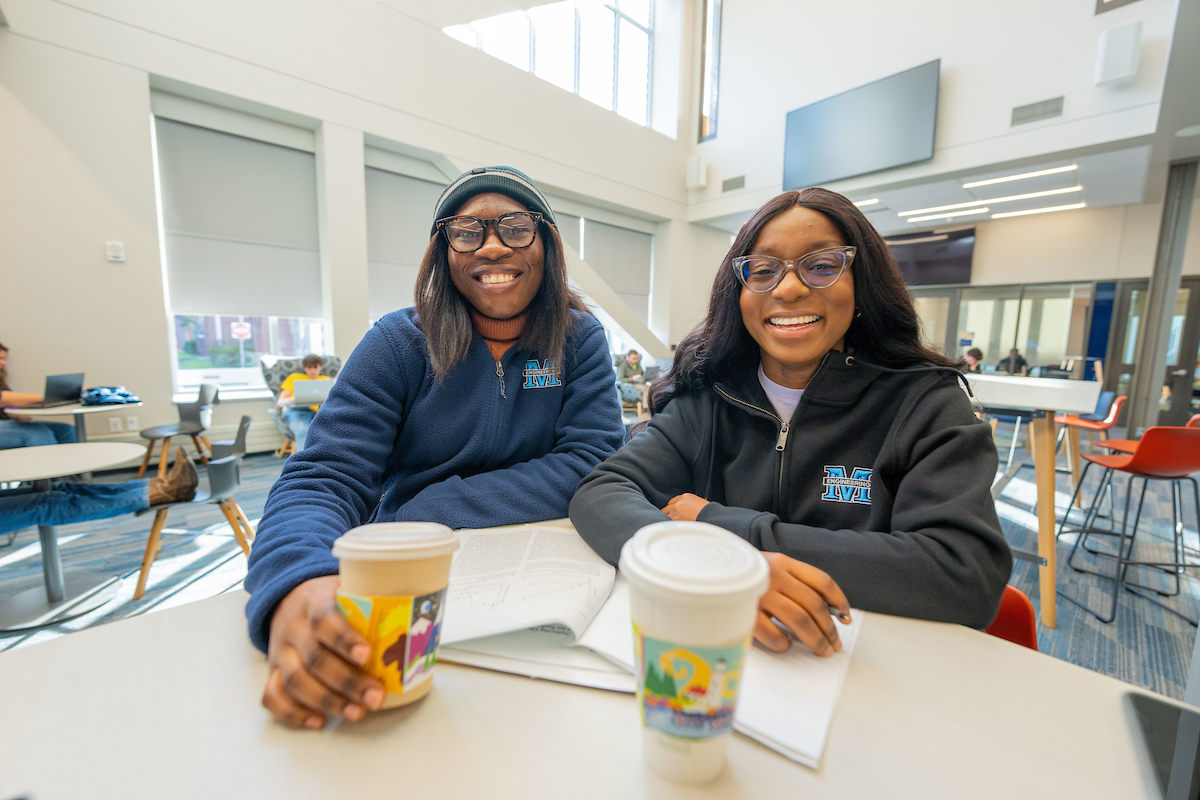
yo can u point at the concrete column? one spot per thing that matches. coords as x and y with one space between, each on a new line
1164 285
342 228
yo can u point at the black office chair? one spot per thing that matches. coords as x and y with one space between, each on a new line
194 419
224 476
235 446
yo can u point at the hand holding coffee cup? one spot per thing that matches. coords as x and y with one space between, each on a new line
314 657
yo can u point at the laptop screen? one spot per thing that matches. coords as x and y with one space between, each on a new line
64 387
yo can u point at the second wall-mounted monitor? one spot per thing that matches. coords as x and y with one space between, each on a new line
888 123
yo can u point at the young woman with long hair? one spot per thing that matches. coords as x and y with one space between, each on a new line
805 415
484 405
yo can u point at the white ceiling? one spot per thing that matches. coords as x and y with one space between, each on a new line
441 13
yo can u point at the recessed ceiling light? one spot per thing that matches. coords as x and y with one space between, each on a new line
1022 176
991 200
951 215
1038 211
870 202
1190 130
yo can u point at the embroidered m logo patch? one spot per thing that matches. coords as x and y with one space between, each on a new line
854 489
540 377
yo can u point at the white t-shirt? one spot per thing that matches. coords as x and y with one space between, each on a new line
784 399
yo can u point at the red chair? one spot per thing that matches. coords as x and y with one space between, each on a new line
1094 426
1163 453
1129 445
1016 621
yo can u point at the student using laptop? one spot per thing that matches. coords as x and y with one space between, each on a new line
300 417
19 431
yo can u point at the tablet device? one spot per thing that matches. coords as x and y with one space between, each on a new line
1170 735
310 392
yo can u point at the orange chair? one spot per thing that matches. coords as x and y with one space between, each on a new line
1016 621
1129 445
1076 422
1163 453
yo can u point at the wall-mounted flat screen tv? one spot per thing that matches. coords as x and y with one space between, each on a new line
934 258
888 123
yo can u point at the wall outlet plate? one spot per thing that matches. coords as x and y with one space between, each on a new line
131 423
114 424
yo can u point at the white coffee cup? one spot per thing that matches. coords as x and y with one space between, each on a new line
694 591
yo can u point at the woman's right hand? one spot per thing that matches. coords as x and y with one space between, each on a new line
315 657
797 597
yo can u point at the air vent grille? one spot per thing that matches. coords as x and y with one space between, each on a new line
733 183
1045 109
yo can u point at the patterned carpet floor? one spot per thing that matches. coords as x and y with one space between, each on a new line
1146 645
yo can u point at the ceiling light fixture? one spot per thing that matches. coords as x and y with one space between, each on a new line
951 215
1038 210
990 200
1190 130
895 242
1021 177
870 202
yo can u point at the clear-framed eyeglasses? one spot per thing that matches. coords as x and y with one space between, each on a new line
818 269
466 234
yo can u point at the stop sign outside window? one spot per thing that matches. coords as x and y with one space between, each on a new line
240 330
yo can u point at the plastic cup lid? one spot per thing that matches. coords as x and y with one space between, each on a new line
396 541
694 559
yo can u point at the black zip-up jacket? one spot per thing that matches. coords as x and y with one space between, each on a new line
882 478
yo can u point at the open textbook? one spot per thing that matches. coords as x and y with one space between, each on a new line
516 579
566 617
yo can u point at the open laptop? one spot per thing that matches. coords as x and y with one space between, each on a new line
61 390
310 393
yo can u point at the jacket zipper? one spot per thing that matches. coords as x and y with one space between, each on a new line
784 428
500 375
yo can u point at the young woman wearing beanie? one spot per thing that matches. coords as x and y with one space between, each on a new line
804 415
484 405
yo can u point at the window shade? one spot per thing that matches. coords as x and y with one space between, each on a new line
399 216
240 218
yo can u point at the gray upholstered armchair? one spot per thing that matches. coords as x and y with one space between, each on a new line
275 370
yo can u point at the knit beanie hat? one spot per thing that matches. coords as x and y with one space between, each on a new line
505 180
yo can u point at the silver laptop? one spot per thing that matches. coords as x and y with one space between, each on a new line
310 392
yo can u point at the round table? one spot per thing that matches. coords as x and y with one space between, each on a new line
60 598
77 410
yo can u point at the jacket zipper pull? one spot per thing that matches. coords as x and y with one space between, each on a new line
500 375
782 441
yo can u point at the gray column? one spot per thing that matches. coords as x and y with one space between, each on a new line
1164 285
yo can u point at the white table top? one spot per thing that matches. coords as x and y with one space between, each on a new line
66 411
1046 394
168 705
56 460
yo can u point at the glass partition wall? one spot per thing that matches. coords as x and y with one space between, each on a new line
1047 323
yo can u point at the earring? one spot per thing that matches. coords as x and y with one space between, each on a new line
857 313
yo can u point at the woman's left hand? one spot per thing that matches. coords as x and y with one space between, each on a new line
685 507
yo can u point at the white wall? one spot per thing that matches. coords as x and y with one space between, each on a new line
1090 244
780 55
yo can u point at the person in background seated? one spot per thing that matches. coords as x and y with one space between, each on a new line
21 431
484 405
1015 364
299 418
68 503
630 378
805 415
974 359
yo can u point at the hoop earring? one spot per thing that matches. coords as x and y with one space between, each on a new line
857 313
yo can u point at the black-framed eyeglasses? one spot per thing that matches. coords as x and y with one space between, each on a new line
818 269
516 229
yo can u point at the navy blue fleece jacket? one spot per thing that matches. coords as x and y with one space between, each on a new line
494 443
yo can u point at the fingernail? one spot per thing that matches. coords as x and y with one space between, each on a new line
360 653
353 712
313 722
373 698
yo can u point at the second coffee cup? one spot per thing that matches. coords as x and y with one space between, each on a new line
393 592
694 590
